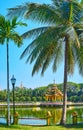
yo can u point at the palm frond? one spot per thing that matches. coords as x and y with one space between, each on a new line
18 11
71 59
71 11
34 32
77 38
59 55
79 59
21 23
48 36
16 38
44 58
2 22
40 60
2 40
57 3
46 64
73 35
42 13
13 22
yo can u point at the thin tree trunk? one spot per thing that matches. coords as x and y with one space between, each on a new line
8 91
63 119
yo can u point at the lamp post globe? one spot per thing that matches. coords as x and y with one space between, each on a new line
13 80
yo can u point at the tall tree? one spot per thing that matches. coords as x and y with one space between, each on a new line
7 34
60 38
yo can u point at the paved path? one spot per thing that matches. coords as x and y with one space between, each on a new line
45 104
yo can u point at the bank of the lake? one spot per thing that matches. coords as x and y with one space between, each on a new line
41 104
20 127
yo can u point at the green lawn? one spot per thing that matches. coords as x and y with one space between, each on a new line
21 127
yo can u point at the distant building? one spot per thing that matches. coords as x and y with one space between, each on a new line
53 94
21 85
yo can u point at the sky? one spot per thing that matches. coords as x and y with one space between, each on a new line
19 68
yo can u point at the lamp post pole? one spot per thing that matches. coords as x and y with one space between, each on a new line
13 81
13 100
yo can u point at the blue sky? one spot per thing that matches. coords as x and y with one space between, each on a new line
19 68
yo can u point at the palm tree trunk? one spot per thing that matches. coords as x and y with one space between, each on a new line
8 92
63 119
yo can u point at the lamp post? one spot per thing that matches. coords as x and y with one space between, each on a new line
13 81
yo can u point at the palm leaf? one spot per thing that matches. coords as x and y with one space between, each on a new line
17 11
34 32
59 55
16 38
79 59
42 13
57 3
45 36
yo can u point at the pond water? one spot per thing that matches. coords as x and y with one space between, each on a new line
32 121
37 115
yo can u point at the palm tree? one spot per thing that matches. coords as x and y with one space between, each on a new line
8 33
60 38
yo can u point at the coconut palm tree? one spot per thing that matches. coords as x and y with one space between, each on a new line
60 37
7 34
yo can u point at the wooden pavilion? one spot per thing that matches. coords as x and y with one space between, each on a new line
53 94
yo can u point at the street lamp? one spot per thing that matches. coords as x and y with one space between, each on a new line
13 81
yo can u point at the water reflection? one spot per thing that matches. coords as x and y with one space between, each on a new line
37 112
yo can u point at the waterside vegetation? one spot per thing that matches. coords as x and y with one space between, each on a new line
25 94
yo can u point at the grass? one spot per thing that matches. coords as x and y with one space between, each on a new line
23 127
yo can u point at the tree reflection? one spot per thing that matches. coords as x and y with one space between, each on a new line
38 112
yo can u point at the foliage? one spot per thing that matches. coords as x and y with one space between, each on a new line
60 18
75 93
7 30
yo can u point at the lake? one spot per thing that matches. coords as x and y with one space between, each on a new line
37 115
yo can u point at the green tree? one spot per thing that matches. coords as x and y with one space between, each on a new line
60 38
7 34
34 99
28 99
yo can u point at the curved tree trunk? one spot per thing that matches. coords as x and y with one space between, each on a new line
63 119
8 92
